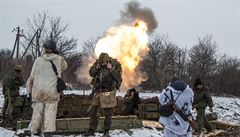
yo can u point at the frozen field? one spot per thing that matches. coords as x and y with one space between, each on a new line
226 108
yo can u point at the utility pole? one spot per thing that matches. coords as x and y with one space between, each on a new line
17 41
30 43
38 53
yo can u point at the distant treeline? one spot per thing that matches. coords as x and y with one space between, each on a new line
165 59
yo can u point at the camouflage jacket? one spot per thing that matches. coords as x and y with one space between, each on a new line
112 77
12 82
202 98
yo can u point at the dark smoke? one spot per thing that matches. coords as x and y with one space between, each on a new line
133 11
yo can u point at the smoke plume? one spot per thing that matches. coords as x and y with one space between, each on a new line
127 42
83 71
134 10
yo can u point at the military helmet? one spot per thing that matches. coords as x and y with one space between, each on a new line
18 68
104 57
50 44
198 82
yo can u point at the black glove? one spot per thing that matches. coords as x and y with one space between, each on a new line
29 97
90 96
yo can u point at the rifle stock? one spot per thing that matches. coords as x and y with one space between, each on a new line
191 121
193 124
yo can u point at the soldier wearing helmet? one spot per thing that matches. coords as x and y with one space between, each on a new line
106 73
11 86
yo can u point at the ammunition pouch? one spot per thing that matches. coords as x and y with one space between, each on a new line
166 110
108 99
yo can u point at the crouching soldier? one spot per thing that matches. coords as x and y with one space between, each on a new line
106 73
131 101
42 84
202 99
11 86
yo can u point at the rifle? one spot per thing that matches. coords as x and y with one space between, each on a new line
98 87
190 119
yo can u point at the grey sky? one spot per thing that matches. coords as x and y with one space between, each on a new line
183 20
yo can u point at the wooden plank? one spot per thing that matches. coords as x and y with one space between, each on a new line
18 102
212 116
152 124
222 125
148 115
148 107
81 124
16 110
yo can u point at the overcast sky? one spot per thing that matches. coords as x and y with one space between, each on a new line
183 20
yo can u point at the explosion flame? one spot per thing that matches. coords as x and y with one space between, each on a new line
128 44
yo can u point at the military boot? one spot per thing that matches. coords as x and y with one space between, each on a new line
37 134
48 134
106 134
196 133
89 133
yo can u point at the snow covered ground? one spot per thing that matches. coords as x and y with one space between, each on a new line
225 107
140 132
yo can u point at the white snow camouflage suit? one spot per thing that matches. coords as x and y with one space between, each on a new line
42 84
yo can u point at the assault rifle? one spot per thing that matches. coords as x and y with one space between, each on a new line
189 119
98 87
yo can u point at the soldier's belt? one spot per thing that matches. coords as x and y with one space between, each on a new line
105 90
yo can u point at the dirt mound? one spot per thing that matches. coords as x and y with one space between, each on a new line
72 106
153 100
231 132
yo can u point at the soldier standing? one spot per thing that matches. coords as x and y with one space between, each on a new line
177 123
106 73
202 99
11 86
42 84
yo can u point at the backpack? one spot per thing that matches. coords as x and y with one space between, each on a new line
167 110
61 85
117 73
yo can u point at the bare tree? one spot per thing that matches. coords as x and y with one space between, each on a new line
203 59
151 63
168 62
74 61
5 62
35 26
226 78
43 27
181 63
65 45
89 46
163 61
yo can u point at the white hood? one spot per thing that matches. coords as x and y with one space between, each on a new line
43 81
49 57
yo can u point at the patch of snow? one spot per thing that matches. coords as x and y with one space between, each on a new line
146 132
138 132
226 109
6 133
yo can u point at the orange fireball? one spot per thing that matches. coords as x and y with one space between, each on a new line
128 44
